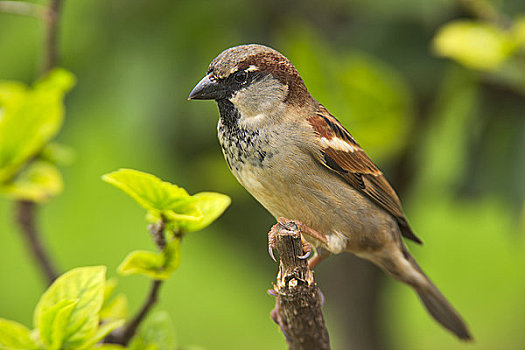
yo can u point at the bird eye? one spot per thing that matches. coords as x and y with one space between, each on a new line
240 76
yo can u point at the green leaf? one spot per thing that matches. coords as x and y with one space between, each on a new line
84 285
171 255
149 191
158 266
108 347
165 201
14 335
102 332
518 31
38 182
109 288
30 118
211 205
475 44
157 332
141 262
53 323
57 153
116 308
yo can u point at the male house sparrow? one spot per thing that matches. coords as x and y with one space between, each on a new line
299 162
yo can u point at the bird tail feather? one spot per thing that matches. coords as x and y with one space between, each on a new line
433 300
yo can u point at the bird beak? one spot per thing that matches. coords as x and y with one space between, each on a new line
207 89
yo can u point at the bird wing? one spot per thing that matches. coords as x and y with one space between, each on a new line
343 155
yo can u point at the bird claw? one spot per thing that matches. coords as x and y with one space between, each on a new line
321 297
272 292
270 252
305 256
271 242
307 249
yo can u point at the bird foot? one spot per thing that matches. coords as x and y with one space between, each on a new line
304 229
307 247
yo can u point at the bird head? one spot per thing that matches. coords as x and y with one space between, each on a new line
254 78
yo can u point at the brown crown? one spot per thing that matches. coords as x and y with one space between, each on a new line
266 60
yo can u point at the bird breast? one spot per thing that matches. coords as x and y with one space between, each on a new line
289 183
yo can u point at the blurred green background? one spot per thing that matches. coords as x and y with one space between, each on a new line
448 133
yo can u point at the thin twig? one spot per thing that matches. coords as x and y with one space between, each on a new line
123 337
52 20
299 301
26 209
23 9
26 217
485 10
131 327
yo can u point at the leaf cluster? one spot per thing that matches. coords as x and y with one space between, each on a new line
479 44
171 206
29 119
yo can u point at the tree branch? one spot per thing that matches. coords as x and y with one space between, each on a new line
23 9
123 337
299 301
26 214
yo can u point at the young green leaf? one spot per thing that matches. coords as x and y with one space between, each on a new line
53 323
38 182
518 31
474 44
84 285
158 266
57 153
157 332
148 190
211 205
171 255
141 262
168 202
15 336
102 332
108 347
30 118
109 288
116 308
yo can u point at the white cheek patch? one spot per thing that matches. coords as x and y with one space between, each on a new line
338 144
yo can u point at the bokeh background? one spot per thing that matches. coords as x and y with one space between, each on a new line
448 133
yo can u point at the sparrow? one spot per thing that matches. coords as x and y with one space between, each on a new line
299 162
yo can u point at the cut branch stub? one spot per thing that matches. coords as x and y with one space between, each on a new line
298 306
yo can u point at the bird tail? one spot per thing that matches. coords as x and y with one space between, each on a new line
433 300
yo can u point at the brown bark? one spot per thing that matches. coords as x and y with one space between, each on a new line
26 217
299 301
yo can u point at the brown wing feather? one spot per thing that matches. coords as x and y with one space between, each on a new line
356 168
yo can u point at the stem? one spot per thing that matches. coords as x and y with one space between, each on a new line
157 231
23 9
51 55
26 209
131 327
299 302
26 214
